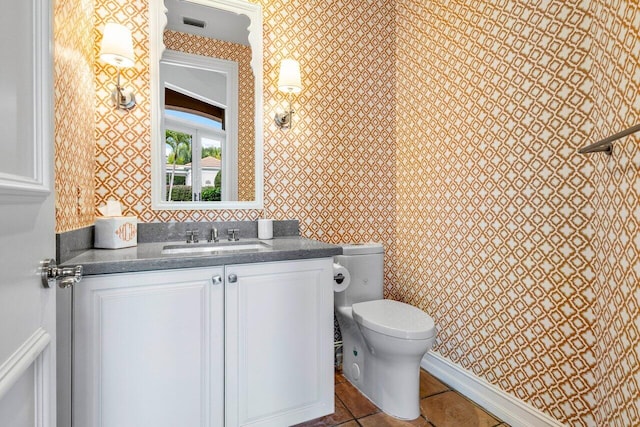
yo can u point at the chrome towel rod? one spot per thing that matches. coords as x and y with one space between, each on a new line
606 145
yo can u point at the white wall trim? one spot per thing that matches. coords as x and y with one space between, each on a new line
508 408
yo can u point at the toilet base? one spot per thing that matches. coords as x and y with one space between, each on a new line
394 387
389 381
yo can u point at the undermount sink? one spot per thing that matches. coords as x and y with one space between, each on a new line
211 248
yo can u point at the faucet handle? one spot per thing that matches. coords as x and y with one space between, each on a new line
192 236
233 234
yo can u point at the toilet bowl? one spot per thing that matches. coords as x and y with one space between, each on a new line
383 340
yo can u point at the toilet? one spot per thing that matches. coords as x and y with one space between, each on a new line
383 340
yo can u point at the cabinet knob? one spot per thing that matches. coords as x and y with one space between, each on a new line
217 279
233 278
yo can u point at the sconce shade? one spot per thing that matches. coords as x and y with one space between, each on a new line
117 46
289 80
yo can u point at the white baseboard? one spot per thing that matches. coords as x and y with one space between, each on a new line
508 408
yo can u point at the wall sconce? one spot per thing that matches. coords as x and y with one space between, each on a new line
290 83
117 50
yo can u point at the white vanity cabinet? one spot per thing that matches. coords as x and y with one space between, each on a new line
148 349
278 342
248 344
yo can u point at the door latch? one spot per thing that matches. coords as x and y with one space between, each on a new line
66 276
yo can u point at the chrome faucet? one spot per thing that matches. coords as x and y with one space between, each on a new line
192 236
233 234
214 236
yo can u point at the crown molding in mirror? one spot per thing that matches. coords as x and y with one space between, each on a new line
157 24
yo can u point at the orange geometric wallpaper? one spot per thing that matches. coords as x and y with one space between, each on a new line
525 252
73 113
197 45
333 171
616 221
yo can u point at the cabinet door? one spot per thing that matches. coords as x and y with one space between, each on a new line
148 349
279 342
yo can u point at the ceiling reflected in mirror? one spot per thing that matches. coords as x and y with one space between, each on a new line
193 18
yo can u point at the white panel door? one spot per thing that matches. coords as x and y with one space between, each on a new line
279 342
148 349
27 235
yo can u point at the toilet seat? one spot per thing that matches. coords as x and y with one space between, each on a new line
394 318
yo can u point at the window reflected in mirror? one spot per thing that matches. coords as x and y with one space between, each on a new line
200 125
192 178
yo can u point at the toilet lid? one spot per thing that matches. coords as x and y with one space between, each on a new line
394 318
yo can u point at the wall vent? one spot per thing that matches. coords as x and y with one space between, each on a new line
193 22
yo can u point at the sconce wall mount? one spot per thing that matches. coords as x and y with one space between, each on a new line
283 119
117 50
290 82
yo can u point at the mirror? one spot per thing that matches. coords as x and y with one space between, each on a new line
206 104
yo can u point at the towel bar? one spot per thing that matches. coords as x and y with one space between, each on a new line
606 145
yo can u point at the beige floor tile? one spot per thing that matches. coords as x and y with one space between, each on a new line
383 420
429 385
351 423
339 416
450 409
356 403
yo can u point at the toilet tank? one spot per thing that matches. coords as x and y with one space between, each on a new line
365 263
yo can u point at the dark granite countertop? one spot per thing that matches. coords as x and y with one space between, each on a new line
148 256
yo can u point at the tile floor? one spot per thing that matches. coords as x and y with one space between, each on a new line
440 406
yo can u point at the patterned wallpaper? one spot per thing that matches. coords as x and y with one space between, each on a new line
73 134
241 54
334 171
525 252
123 152
616 224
